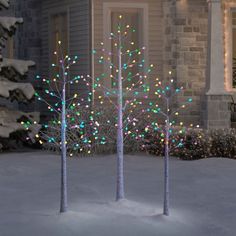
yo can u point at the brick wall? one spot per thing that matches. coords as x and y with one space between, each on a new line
186 50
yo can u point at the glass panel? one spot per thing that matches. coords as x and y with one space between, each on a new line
132 18
234 22
233 14
59 32
234 57
10 48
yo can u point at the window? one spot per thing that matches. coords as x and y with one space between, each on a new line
9 48
136 16
131 17
234 50
59 32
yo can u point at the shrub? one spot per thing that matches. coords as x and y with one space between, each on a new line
195 144
223 143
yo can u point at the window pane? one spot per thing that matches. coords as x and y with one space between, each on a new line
233 14
59 32
234 22
132 18
234 57
9 48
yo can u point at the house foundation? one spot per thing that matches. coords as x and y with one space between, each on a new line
216 114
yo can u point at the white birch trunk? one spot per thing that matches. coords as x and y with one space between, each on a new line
166 164
63 205
120 139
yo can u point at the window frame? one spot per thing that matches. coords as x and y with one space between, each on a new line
110 7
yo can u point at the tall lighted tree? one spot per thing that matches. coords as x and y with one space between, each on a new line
63 104
168 109
125 85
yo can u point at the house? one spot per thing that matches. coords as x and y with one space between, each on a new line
195 39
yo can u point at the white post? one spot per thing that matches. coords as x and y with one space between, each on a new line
215 67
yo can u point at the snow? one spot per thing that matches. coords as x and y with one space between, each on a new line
10 22
9 122
4 3
203 195
6 87
20 66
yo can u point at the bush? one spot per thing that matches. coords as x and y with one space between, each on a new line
16 141
195 143
223 143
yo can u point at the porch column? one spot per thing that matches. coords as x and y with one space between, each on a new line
215 70
217 114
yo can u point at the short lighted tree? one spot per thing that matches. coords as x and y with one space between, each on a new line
124 85
168 110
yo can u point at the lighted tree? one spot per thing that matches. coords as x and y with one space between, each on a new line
166 107
125 85
64 106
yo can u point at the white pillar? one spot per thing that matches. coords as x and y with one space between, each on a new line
215 68
216 113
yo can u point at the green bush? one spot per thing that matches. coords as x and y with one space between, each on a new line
195 144
223 143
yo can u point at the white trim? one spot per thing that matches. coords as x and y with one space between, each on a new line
107 9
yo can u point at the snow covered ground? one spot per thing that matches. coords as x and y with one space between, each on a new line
203 197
